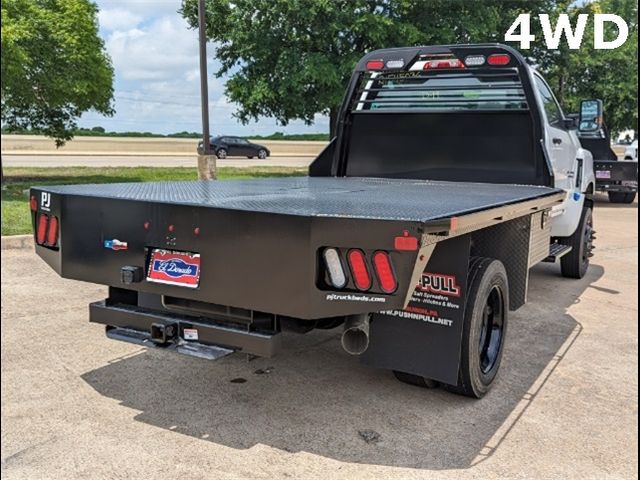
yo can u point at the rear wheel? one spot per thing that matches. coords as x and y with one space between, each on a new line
622 197
221 153
484 329
575 263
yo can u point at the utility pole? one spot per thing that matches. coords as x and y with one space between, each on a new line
206 161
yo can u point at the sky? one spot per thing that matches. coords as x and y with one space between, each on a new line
157 83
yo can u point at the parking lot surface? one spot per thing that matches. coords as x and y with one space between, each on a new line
77 405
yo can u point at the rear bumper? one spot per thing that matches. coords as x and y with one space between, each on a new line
616 176
616 187
204 338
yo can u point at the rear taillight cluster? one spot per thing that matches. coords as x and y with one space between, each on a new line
352 269
47 230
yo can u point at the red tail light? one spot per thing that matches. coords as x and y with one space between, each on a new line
52 232
384 272
499 59
41 230
375 65
446 63
359 270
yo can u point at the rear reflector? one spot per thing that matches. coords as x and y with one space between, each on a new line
334 267
499 59
41 230
358 265
443 64
375 65
405 242
474 60
384 272
52 231
33 203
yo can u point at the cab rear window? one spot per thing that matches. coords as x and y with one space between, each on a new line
420 91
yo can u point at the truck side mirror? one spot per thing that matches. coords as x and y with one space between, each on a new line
590 115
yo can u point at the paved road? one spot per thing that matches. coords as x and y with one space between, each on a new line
76 405
143 161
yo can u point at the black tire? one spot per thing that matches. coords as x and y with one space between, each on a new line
622 197
221 153
415 380
576 263
262 154
485 327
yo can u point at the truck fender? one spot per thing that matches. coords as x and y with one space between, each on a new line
566 216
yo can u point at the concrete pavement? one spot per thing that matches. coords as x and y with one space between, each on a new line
76 405
145 161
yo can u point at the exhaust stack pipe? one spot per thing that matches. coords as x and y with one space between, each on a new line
355 338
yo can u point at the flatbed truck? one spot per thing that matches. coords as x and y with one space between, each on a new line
618 178
453 172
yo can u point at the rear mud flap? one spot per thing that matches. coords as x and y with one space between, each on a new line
424 339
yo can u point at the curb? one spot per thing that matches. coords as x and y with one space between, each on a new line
17 242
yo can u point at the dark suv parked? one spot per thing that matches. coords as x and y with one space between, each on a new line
227 146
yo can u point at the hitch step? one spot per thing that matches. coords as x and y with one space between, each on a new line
556 251
193 349
195 336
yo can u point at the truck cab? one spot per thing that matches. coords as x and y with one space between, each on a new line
571 163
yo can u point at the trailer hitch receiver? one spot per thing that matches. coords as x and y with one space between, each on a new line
162 333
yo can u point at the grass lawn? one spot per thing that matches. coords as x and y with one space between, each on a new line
16 217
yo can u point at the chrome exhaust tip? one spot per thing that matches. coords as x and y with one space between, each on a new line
355 338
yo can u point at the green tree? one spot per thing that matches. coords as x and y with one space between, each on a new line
292 59
611 75
54 66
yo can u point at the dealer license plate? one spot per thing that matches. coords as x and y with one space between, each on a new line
174 268
603 173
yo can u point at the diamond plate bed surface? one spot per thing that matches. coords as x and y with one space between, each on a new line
350 197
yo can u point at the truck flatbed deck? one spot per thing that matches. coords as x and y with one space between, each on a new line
365 198
263 233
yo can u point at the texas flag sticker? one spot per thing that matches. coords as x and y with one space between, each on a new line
174 268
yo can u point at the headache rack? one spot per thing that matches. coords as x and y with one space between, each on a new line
454 113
